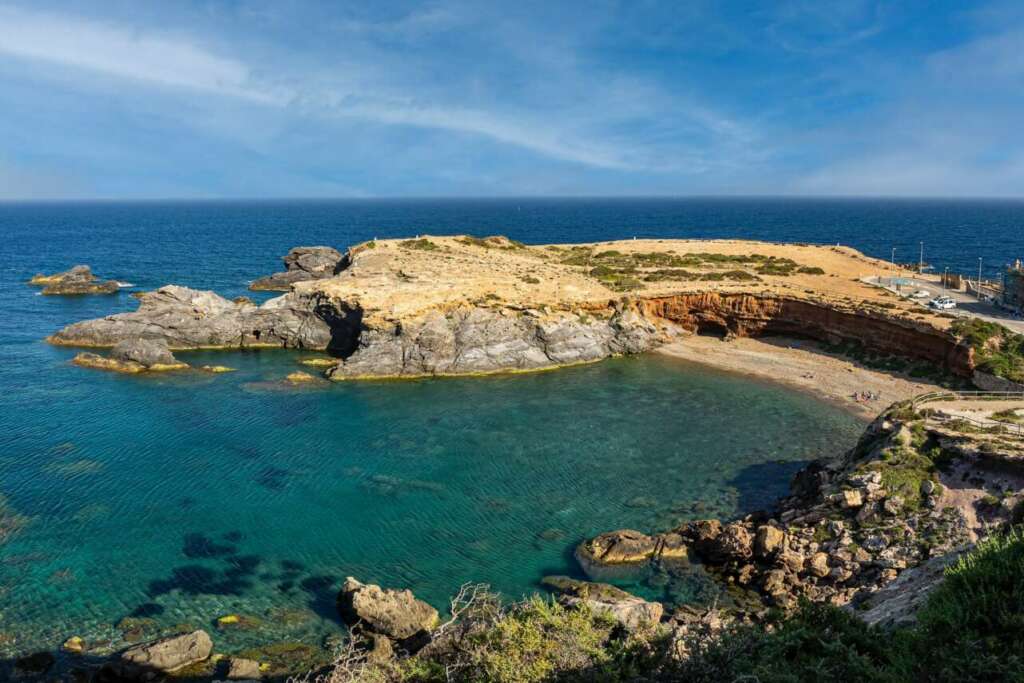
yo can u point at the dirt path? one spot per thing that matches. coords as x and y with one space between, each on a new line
801 364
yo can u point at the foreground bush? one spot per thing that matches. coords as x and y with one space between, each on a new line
972 627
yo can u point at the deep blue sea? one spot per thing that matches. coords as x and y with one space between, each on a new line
182 498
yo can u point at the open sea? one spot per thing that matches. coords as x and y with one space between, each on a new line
181 498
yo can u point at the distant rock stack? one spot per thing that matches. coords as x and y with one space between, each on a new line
76 281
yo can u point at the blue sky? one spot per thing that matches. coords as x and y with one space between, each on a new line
294 98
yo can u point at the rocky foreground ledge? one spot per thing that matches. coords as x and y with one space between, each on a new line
464 305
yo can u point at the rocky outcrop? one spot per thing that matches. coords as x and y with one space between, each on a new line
629 611
133 356
78 280
852 526
302 264
167 654
184 318
989 382
481 339
395 614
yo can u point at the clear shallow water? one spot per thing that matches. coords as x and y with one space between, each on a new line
186 497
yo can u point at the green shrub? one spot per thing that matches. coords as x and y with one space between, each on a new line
972 626
818 643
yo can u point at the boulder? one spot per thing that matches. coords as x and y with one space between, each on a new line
768 542
817 565
77 280
631 612
302 264
392 613
851 499
733 544
169 654
628 610
617 547
241 669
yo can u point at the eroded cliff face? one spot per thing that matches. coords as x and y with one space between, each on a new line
471 340
751 315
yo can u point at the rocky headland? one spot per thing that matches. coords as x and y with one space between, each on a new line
464 305
77 280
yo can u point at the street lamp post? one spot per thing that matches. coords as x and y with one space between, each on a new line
979 278
920 261
945 276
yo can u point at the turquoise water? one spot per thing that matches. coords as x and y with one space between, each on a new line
190 496
184 497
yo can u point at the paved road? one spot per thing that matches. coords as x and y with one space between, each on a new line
967 305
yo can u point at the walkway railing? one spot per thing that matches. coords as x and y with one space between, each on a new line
988 426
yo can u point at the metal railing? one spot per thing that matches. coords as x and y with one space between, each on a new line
988 426
954 395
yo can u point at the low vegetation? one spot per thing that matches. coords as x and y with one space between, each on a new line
625 271
997 350
971 628
421 244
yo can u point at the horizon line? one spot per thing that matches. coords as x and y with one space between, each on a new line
540 197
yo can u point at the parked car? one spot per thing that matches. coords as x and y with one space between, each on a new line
921 294
942 303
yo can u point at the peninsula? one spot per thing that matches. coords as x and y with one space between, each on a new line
465 305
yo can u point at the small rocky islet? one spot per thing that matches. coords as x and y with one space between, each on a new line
863 530
76 281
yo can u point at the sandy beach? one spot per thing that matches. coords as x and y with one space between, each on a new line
802 364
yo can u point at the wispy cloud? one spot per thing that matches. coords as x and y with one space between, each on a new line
164 60
116 51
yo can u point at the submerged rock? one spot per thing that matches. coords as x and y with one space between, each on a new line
240 669
169 654
133 356
77 280
399 615
302 264
628 610
184 318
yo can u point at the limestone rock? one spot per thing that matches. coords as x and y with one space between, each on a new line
817 565
478 339
302 264
627 609
631 612
240 669
617 547
851 499
768 542
184 318
145 352
168 654
392 613
77 280
133 356
734 543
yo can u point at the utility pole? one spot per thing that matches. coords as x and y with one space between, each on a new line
945 276
920 261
